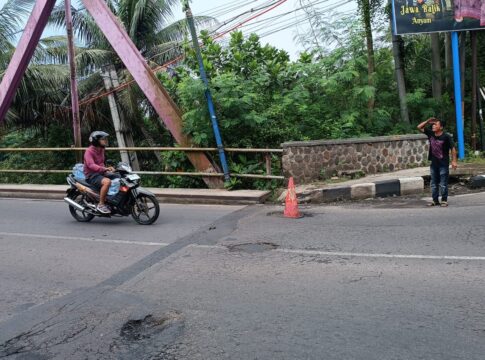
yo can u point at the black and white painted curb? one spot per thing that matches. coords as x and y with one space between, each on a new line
385 188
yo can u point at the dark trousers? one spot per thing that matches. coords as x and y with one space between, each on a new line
439 181
96 179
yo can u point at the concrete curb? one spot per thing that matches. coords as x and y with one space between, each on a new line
383 188
362 191
411 185
175 196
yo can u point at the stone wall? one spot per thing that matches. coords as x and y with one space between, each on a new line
316 160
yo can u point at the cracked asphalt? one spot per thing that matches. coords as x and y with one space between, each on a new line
381 279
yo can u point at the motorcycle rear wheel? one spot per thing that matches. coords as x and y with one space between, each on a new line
79 215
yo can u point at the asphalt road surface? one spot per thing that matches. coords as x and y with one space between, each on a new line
382 279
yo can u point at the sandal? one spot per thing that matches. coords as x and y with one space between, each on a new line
434 203
444 204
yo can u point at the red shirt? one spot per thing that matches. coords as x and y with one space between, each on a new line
94 161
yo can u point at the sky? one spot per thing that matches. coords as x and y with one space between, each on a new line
296 21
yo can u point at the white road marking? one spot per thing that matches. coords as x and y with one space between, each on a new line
369 255
287 251
352 254
74 238
207 246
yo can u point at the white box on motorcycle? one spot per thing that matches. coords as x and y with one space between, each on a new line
78 172
114 187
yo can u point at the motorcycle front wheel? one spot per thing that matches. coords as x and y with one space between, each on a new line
79 215
145 210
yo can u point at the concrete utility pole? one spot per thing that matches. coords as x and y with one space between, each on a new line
123 135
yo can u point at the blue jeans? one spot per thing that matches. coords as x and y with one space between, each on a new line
439 182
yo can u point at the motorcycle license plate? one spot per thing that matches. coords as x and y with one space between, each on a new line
133 177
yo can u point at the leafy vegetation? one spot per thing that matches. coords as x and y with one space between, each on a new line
262 97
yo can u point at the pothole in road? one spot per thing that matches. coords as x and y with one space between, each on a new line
139 329
147 337
252 248
280 214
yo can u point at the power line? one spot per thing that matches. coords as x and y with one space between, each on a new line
230 9
217 8
294 23
246 13
263 24
288 13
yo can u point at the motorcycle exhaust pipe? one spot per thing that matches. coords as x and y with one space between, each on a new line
74 204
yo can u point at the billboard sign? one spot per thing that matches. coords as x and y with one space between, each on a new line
427 16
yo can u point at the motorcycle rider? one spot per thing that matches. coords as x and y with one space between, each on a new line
95 171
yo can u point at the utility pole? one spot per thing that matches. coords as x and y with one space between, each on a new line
123 137
125 131
76 124
208 95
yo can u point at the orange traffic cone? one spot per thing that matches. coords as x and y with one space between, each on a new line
291 203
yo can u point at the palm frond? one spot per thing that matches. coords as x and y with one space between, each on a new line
12 16
178 30
85 28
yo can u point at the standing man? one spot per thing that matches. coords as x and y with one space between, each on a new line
440 145
96 172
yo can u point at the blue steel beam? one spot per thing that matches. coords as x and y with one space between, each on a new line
458 99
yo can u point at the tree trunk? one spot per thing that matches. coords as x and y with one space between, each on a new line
437 84
462 38
462 45
473 35
367 20
397 45
448 62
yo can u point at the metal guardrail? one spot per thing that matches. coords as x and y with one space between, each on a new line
234 150
267 154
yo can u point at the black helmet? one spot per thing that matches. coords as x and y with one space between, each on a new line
96 136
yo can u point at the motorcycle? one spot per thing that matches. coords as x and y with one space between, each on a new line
131 198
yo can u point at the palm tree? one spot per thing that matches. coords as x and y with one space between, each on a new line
43 93
148 25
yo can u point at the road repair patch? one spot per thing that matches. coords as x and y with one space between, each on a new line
252 248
